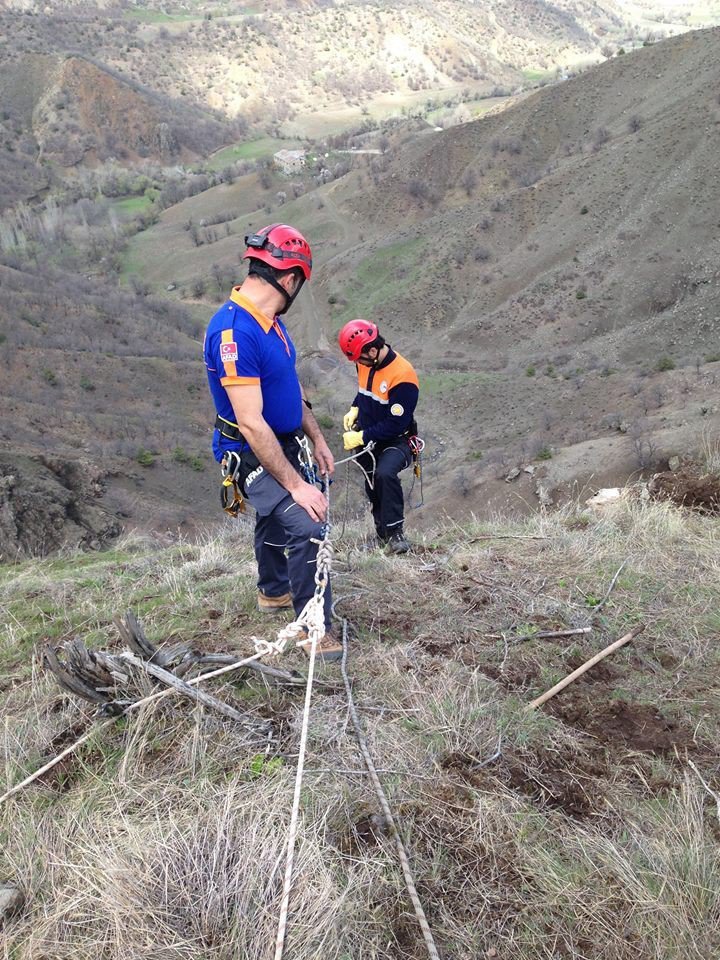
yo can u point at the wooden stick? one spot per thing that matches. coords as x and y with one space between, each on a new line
199 696
506 536
614 580
586 666
544 634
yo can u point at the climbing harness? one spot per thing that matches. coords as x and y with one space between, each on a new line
232 464
417 445
230 467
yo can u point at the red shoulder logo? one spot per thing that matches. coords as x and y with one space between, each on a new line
228 352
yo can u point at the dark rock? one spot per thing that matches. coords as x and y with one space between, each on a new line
50 502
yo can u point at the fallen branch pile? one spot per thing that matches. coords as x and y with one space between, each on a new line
109 680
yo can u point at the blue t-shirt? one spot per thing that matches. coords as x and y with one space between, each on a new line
242 346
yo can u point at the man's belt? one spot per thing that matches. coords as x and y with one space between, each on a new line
228 429
231 431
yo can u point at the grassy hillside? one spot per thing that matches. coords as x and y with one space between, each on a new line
549 269
582 829
342 62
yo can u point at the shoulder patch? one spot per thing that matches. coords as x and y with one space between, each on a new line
397 409
228 352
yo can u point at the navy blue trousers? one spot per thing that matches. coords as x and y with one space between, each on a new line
386 494
284 550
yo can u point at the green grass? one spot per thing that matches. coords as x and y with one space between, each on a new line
535 76
130 206
382 278
445 382
159 16
249 150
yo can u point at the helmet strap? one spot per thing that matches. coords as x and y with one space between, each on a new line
262 270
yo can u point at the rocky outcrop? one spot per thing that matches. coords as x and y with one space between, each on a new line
47 503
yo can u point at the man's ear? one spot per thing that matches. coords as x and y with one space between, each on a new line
290 282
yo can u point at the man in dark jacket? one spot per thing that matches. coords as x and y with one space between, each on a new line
383 411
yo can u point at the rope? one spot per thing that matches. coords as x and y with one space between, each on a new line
368 448
387 812
311 618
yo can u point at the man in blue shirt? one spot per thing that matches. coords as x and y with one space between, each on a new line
263 418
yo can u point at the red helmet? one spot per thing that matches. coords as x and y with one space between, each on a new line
356 335
280 246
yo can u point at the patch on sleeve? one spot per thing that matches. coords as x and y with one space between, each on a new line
228 352
397 410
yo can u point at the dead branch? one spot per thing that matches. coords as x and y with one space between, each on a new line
506 536
610 589
97 676
160 695
198 696
585 667
543 634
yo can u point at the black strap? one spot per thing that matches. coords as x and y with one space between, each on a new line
231 431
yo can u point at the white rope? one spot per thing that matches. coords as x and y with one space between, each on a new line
312 619
387 812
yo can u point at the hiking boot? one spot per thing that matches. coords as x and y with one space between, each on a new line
397 543
328 647
272 604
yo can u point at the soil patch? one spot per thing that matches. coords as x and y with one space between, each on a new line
560 779
687 488
636 725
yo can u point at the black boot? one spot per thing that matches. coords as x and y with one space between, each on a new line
396 542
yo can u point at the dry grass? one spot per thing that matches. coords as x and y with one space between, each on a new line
587 836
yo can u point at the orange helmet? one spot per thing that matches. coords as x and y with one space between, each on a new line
354 336
281 246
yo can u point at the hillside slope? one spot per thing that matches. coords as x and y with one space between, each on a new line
585 828
103 416
337 56
64 111
552 270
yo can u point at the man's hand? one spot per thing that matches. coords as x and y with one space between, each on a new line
308 497
323 456
350 418
352 439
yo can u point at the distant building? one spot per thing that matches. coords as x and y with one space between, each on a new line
289 161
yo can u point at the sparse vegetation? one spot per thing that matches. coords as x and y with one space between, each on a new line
146 458
594 792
